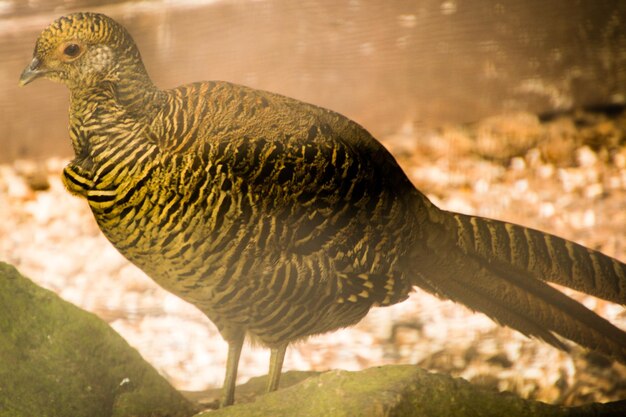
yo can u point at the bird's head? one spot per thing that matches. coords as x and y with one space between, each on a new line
81 50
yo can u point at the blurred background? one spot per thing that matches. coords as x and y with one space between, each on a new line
505 109
382 63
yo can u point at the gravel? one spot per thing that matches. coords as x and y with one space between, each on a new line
566 175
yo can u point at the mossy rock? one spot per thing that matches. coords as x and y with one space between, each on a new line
394 390
57 360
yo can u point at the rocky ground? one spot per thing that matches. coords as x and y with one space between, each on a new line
565 175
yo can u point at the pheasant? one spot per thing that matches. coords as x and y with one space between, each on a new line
280 219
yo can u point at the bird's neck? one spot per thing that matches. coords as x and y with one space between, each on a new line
131 92
135 91
109 113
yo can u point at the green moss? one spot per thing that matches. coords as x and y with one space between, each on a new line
398 391
58 360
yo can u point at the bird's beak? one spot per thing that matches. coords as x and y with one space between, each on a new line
31 72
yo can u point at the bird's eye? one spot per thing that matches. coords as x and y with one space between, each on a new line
72 50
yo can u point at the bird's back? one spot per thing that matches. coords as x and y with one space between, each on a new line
262 210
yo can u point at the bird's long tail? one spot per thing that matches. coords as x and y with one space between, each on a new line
499 269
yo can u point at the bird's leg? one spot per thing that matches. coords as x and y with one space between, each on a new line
235 343
276 365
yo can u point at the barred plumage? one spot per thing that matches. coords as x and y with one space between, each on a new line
280 219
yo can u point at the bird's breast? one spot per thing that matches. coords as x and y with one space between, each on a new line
182 228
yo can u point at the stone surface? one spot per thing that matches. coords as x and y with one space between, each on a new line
58 360
395 390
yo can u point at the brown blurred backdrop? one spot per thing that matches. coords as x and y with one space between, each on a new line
385 64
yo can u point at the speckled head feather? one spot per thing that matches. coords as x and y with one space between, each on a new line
91 28
83 49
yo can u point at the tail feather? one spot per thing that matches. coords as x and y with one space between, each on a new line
449 288
545 256
492 269
565 316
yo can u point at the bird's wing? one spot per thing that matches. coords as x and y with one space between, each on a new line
312 173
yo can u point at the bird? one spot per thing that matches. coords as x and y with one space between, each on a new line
281 220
